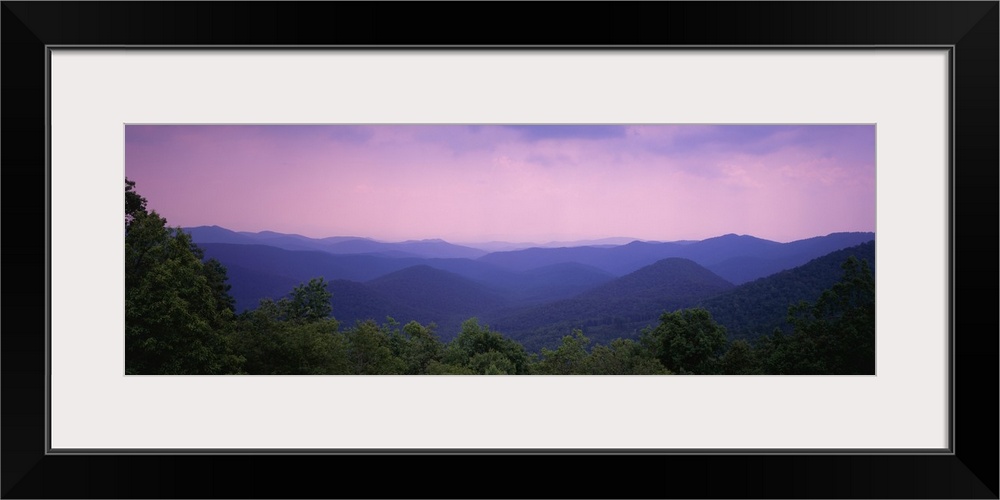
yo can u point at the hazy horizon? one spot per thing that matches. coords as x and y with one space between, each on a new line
517 184
609 239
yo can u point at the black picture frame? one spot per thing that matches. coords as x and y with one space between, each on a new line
970 28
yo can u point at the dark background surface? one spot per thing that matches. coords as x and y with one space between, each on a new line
971 472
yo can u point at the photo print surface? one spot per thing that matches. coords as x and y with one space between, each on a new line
536 249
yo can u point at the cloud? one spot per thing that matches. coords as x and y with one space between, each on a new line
582 132
350 133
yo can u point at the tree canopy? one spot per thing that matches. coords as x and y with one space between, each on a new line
177 311
687 341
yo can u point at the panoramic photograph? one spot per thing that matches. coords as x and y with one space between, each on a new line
537 249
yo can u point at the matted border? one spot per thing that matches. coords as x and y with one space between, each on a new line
970 27
94 91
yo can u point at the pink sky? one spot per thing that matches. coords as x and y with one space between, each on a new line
534 183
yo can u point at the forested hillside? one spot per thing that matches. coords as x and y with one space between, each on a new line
761 306
618 309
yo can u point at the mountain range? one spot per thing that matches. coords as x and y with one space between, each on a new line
535 295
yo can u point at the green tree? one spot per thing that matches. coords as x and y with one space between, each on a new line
476 339
623 357
491 363
569 358
178 316
217 277
838 331
421 347
739 359
832 336
309 302
436 367
369 350
134 203
686 341
774 353
261 339
416 346
275 344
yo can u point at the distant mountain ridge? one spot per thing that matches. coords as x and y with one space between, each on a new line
737 258
430 248
503 246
